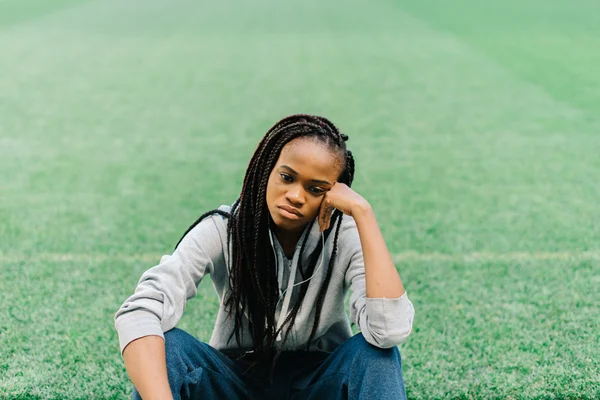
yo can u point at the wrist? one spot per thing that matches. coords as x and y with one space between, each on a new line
361 210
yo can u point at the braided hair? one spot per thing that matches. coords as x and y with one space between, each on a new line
252 267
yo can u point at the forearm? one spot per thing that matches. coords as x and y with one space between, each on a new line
382 278
147 367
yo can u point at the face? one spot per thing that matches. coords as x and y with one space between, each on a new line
304 172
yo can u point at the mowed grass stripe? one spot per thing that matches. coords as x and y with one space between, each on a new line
17 12
112 144
407 256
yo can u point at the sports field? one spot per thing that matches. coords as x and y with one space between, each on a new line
476 130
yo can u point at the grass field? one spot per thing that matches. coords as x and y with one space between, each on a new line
476 129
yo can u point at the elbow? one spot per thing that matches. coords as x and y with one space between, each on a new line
389 321
389 339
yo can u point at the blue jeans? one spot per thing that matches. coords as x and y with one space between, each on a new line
355 370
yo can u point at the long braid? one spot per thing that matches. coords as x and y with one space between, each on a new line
206 214
300 267
323 289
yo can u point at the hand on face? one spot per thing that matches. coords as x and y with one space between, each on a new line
340 197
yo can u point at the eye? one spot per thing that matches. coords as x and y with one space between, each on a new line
316 190
286 177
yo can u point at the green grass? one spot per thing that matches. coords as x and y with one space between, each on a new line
475 131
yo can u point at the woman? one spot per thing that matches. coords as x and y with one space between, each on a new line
281 258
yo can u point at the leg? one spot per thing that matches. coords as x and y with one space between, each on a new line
198 371
356 370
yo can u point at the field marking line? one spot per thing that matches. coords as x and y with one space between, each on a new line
488 256
402 257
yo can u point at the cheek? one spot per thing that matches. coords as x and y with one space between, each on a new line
314 204
272 190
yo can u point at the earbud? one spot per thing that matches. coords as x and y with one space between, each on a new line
284 310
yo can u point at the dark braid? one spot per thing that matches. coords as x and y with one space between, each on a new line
252 266
323 290
302 248
220 212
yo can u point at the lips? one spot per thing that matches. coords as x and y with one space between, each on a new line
290 211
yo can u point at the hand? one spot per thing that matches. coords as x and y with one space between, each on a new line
340 197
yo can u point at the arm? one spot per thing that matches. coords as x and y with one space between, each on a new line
383 280
384 316
158 304
147 367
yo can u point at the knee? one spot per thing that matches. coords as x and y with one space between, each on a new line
180 345
366 353
375 372
174 339
181 348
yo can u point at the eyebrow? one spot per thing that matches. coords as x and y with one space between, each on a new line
312 180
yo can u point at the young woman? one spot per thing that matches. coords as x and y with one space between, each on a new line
282 259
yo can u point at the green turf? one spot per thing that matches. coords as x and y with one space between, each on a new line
14 12
475 131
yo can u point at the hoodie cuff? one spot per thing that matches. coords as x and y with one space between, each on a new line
390 320
135 325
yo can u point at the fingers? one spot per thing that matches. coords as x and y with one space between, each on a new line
326 219
319 218
322 226
325 214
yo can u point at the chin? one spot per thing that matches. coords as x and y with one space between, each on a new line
286 224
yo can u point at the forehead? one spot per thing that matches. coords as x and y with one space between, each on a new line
311 159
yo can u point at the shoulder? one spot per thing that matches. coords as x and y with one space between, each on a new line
349 250
348 238
348 228
209 230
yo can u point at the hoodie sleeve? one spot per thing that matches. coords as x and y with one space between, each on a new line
383 322
162 292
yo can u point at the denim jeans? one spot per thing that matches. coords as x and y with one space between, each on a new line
355 370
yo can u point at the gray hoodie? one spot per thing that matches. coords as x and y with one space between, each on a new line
162 292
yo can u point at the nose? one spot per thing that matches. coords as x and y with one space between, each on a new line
295 195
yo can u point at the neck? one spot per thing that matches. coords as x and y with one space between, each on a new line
288 240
